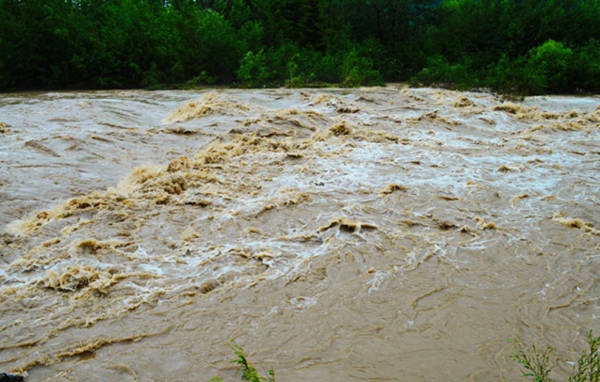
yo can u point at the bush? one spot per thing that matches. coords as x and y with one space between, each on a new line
201 79
252 34
537 364
310 66
547 68
584 71
440 72
246 370
328 68
211 44
358 70
505 75
253 71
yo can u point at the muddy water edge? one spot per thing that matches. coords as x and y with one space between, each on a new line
340 234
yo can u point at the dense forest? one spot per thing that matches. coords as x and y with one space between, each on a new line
518 46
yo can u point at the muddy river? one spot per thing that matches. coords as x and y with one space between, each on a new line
373 234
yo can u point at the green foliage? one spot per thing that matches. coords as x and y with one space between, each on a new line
209 43
201 79
537 363
295 79
584 70
588 366
252 33
547 67
503 75
246 370
358 70
308 67
253 71
525 46
442 73
327 68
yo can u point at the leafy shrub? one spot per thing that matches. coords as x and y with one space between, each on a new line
309 66
251 33
584 71
151 78
440 72
212 44
505 76
588 366
547 68
537 363
253 71
201 79
327 68
246 370
358 70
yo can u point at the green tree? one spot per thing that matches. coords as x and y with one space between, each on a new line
547 67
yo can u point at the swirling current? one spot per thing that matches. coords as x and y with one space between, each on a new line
336 234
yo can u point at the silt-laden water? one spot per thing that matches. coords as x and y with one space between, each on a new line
342 234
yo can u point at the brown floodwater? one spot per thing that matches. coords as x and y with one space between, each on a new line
336 234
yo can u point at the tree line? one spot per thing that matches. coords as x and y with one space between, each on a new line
520 46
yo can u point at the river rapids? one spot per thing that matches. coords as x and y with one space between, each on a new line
336 234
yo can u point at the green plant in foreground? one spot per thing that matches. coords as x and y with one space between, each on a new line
588 366
247 371
537 363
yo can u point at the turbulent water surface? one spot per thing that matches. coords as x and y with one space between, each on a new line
373 234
